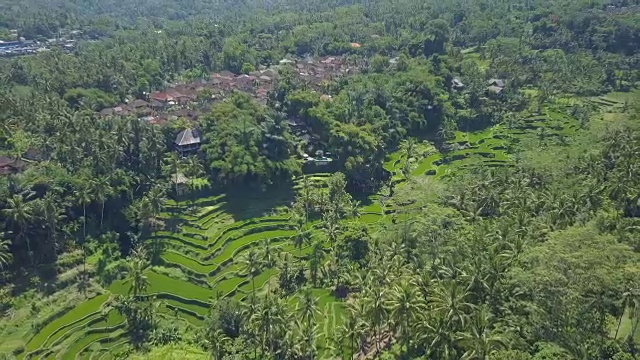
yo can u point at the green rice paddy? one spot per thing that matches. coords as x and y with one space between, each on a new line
215 232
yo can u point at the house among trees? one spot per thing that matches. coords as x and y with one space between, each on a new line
497 83
456 84
188 141
180 183
10 166
496 86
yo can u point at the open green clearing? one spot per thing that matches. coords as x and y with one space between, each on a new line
626 327
215 235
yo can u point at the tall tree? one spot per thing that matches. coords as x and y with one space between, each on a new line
376 310
479 341
301 238
315 260
252 266
405 305
331 227
19 214
307 307
173 166
101 190
5 252
138 262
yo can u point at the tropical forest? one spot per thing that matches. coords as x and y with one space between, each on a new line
320 179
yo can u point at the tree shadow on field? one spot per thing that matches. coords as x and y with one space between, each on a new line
244 202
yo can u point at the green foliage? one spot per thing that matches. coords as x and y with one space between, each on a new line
92 99
247 68
379 63
174 352
467 261
140 317
248 145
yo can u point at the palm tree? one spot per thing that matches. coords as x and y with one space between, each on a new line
285 266
449 300
404 305
53 215
408 147
307 307
217 341
101 190
262 319
173 165
349 329
302 237
307 343
478 340
84 197
354 209
438 339
19 214
331 227
315 259
376 312
359 311
5 253
252 267
268 255
138 261
193 166
251 311
154 146
423 282
272 317
306 196
157 198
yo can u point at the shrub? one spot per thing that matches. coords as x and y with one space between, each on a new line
17 351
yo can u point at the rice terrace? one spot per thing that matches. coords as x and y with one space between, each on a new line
301 180
206 240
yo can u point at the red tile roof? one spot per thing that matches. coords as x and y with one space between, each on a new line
163 97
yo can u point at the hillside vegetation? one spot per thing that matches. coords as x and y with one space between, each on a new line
338 180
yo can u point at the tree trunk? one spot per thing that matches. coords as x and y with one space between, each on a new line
352 349
375 339
84 239
102 214
406 336
28 248
619 322
84 222
176 182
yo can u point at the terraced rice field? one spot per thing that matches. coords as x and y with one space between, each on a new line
489 147
208 237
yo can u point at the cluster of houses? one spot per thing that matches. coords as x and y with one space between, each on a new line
191 101
318 73
22 46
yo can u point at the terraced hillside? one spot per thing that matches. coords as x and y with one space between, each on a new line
206 240
491 146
